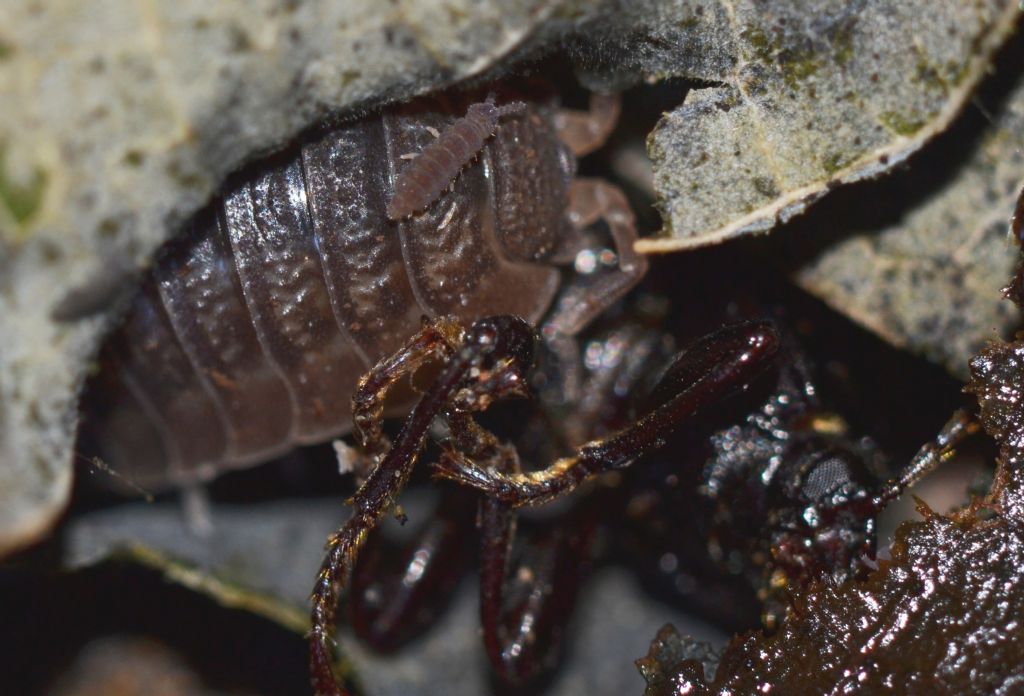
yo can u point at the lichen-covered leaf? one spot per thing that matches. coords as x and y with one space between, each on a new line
119 119
929 281
815 94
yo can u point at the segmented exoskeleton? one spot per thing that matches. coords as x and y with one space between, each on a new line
252 331
253 328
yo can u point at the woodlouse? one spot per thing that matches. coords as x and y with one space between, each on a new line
251 331
434 169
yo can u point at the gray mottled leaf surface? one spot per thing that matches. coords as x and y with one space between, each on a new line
930 281
812 94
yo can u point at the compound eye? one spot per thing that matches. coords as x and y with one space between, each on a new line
831 475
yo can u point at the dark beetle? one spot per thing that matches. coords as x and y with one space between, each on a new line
250 333
780 496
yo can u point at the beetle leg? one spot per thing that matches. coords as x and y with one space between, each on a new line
960 426
590 293
370 502
437 339
398 590
524 613
585 131
705 371
494 345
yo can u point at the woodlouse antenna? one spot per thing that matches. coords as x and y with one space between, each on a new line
98 464
426 176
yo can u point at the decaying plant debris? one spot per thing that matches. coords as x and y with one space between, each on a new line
811 95
921 267
942 614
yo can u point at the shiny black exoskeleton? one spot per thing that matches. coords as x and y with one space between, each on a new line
779 495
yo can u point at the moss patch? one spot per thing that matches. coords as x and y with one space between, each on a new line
901 124
23 200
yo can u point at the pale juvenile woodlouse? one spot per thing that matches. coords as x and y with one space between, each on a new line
436 167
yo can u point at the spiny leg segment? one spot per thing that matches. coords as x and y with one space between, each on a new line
709 368
486 363
493 352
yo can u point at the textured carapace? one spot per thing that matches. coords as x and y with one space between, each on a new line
250 333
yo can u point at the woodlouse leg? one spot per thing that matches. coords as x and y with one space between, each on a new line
586 131
594 289
705 371
195 505
488 346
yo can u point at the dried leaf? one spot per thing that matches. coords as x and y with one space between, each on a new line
929 281
942 615
672 659
997 379
815 95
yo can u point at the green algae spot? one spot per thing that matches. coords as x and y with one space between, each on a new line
186 178
6 50
835 161
766 187
794 64
901 124
798 66
928 75
456 15
21 199
762 46
134 158
842 43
